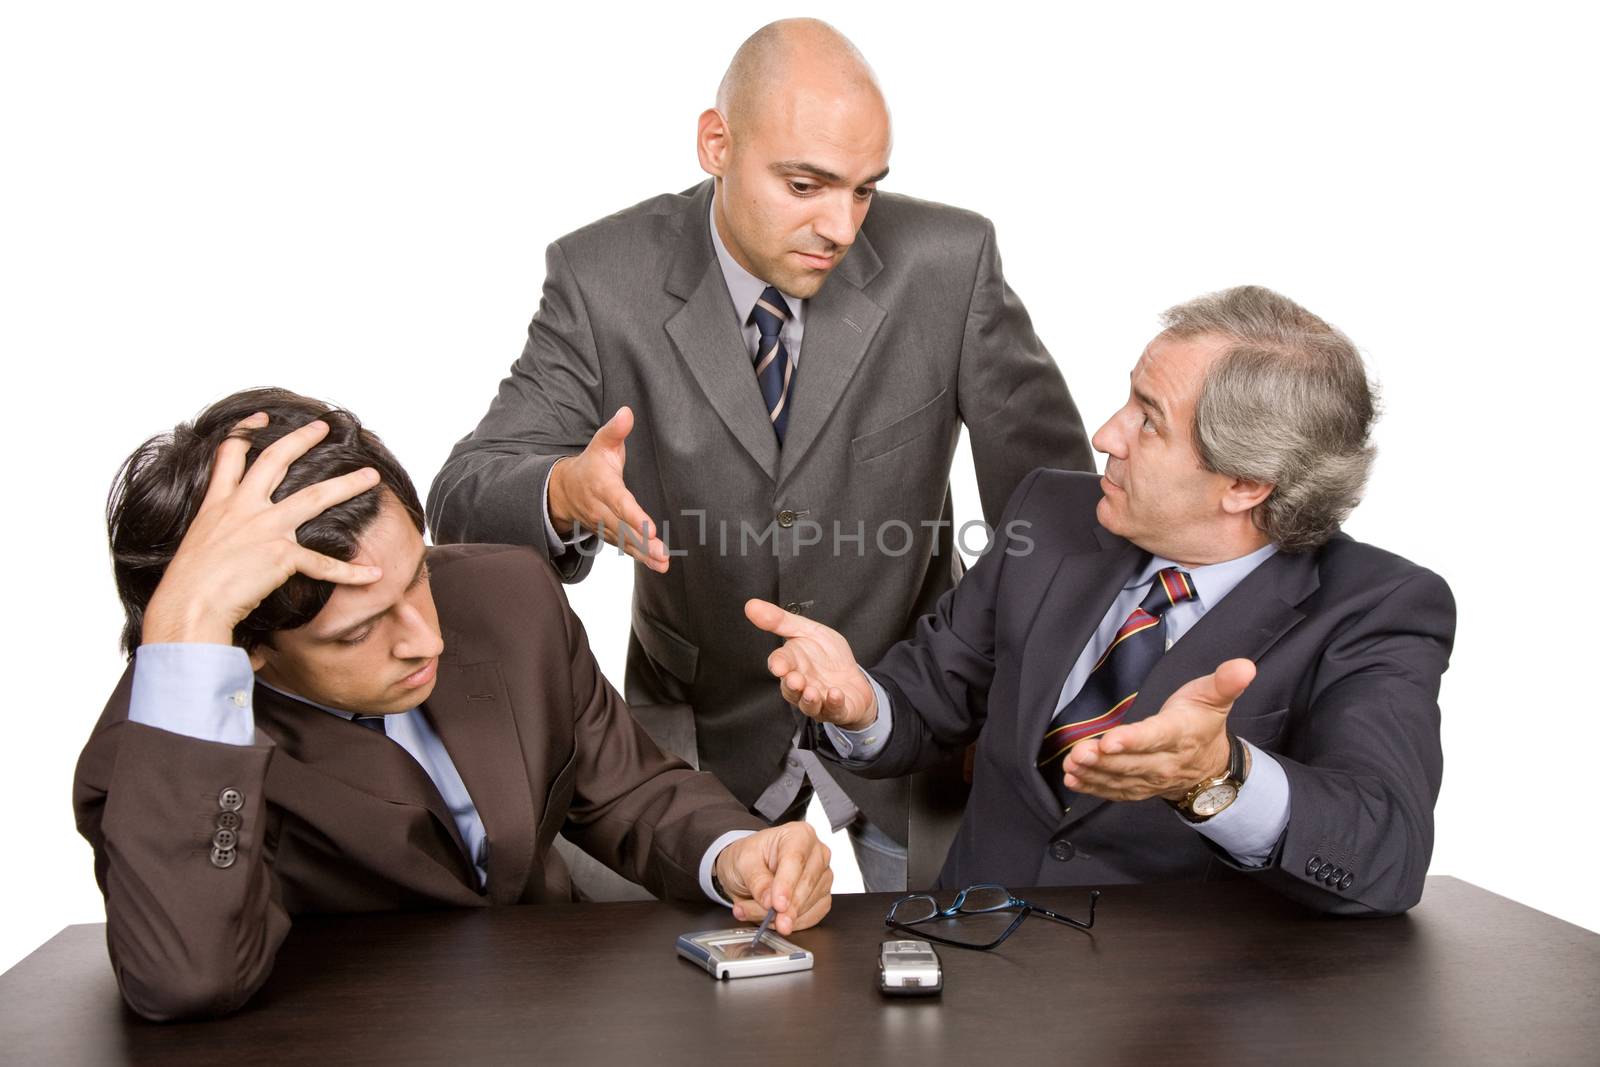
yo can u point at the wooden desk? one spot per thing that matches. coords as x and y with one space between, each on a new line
1213 973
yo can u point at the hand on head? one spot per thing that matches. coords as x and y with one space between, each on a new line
815 669
241 545
587 492
1169 753
785 867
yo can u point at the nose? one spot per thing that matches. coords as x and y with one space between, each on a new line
419 638
1108 438
836 222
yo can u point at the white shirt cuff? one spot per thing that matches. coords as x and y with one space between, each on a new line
203 691
869 741
1249 828
709 861
552 538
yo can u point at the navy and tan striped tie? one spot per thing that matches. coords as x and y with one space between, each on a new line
1114 681
774 372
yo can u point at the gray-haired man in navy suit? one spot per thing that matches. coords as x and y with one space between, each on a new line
1182 668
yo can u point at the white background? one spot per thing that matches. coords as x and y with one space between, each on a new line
353 202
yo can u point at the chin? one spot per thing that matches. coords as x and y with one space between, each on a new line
1103 512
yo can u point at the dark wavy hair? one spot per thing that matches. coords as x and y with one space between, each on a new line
160 487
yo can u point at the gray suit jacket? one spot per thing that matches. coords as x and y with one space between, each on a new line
914 335
1349 644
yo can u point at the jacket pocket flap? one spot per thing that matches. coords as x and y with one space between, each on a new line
668 649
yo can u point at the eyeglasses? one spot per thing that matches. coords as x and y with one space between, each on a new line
909 913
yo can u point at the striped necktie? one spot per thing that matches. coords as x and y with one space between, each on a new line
774 372
1114 681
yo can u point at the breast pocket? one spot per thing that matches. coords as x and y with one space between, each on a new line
908 428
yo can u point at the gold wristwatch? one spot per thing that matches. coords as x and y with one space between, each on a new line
1215 794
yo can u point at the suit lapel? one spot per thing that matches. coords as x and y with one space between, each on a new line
707 334
1246 624
841 322
1074 602
472 715
364 760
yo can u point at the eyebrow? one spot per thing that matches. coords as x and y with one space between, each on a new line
794 166
422 569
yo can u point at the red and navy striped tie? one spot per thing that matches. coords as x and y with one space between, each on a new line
1114 681
774 372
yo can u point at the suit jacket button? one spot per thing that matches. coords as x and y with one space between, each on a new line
223 857
1314 866
1062 850
786 518
225 839
794 607
1344 883
228 820
230 799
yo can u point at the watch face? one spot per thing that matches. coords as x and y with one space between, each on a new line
1214 798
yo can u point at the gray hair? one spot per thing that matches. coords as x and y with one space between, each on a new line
1287 403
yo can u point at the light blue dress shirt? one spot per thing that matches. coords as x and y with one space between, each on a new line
204 691
1247 829
744 289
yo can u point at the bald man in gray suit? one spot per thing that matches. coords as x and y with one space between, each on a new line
755 388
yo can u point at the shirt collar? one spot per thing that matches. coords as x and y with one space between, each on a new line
303 700
743 287
1213 581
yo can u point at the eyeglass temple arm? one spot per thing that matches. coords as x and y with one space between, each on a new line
1094 895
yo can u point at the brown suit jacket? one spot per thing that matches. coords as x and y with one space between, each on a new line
335 818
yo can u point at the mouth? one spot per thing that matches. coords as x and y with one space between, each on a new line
422 676
818 262
1107 485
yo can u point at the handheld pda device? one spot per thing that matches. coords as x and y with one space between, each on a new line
909 969
732 954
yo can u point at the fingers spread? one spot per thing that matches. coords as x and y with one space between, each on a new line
266 474
313 500
327 569
228 467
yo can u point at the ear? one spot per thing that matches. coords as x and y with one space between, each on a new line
258 657
1242 495
713 142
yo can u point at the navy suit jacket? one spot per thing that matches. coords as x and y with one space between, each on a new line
1349 643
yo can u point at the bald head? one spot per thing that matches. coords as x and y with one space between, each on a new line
789 56
798 142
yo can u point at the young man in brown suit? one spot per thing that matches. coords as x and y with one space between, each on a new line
322 714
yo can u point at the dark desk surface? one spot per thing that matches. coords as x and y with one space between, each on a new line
1220 972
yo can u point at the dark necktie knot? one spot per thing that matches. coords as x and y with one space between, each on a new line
1171 588
769 314
371 722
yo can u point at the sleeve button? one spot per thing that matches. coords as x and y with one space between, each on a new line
228 821
223 857
1314 866
225 840
230 799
